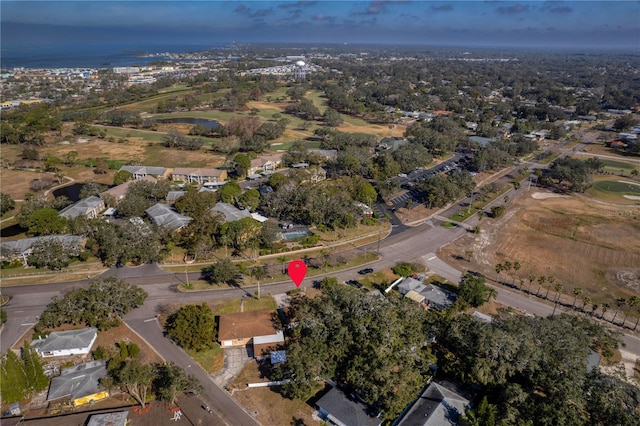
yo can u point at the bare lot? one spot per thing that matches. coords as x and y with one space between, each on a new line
582 243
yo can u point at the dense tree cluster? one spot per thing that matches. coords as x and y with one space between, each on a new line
379 346
192 327
175 139
28 124
101 305
574 173
441 189
21 376
6 203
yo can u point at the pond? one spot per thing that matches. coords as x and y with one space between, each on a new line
72 192
208 124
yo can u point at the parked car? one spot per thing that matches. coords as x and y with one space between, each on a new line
355 284
365 271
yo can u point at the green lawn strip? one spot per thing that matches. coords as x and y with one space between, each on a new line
265 303
623 188
283 146
616 166
211 360
316 97
548 159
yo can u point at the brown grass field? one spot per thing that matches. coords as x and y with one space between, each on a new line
581 242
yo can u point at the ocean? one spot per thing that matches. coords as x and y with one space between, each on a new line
78 55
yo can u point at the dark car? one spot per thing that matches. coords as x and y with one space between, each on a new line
354 283
365 271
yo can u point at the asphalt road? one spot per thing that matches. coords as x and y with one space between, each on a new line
405 244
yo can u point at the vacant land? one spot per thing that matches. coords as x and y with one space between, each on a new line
578 241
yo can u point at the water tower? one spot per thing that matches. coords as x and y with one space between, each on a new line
299 71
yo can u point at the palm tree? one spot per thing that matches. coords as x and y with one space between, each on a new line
551 280
531 279
521 284
633 301
620 302
258 273
594 308
516 267
556 299
585 301
282 259
499 269
576 292
541 280
605 307
507 266
491 293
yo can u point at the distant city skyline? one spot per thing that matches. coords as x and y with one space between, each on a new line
553 24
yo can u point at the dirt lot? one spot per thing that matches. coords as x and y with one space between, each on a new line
582 243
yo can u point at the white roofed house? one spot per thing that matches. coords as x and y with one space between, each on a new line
66 343
90 207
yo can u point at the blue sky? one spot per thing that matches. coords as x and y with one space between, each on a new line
595 24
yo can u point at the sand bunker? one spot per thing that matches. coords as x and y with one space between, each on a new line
545 195
632 197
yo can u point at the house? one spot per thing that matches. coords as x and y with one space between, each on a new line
89 207
118 192
265 163
66 343
118 418
138 172
250 328
437 406
201 175
172 196
345 409
431 296
482 141
80 383
230 212
21 249
165 216
326 154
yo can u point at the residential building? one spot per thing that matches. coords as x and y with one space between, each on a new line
253 329
437 406
326 154
21 249
164 216
117 193
138 172
430 296
265 163
66 343
230 212
201 175
345 409
90 207
80 383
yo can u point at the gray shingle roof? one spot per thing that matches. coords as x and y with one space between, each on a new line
435 296
145 170
81 207
437 406
78 381
346 409
8 248
61 340
119 418
165 216
230 212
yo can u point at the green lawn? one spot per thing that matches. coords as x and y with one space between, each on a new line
615 186
316 97
616 166
250 305
121 132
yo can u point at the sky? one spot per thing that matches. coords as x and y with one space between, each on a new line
551 24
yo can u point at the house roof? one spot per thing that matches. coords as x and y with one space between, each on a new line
145 170
25 244
119 191
165 216
246 325
433 294
230 212
437 406
204 172
78 381
119 418
347 409
415 296
172 196
61 340
408 284
81 207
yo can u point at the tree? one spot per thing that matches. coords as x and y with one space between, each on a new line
332 117
36 380
620 302
222 271
6 203
171 381
101 167
242 164
541 280
404 269
192 327
229 192
550 279
586 300
605 308
133 377
516 267
258 273
577 291
121 177
531 279
632 302
92 189
45 221
499 268
474 291
52 253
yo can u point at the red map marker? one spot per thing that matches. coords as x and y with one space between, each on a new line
297 270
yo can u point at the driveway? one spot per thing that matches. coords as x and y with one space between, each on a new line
234 361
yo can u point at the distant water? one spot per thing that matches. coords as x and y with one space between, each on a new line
86 56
